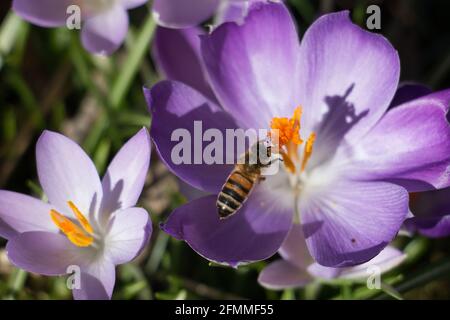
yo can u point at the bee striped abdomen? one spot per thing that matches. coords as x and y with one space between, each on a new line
234 193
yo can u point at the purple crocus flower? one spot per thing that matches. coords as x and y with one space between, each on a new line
87 223
430 211
105 22
297 268
189 13
351 192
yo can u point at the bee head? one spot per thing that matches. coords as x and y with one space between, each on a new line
264 151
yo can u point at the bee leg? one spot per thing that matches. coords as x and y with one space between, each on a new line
273 160
261 178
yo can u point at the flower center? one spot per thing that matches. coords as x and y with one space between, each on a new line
79 236
285 136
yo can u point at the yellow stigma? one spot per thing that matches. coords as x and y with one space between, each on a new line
285 135
78 236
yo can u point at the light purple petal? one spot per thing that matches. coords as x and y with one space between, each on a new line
20 213
233 11
129 232
67 174
348 77
104 33
294 249
322 272
387 260
254 233
351 222
97 281
182 14
281 274
409 146
175 106
45 253
131 4
252 67
125 176
45 13
177 56
409 91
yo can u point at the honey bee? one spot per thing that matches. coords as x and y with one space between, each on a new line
242 180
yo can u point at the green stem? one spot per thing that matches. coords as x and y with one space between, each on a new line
416 249
389 290
16 282
346 291
130 68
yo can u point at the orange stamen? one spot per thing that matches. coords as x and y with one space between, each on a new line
81 218
285 130
74 233
308 150
285 135
288 162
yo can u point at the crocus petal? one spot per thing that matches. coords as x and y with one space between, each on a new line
281 274
410 145
45 13
409 91
182 14
45 253
20 213
189 192
252 67
104 33
97 281
125 176
348 77
177 56
232 11
129 232
294 249
67 174
175 107
351 223
130 4
388 259
254 233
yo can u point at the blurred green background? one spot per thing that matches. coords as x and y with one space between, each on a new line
48 81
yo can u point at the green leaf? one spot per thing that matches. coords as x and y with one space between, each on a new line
304 8
12 30
101 154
